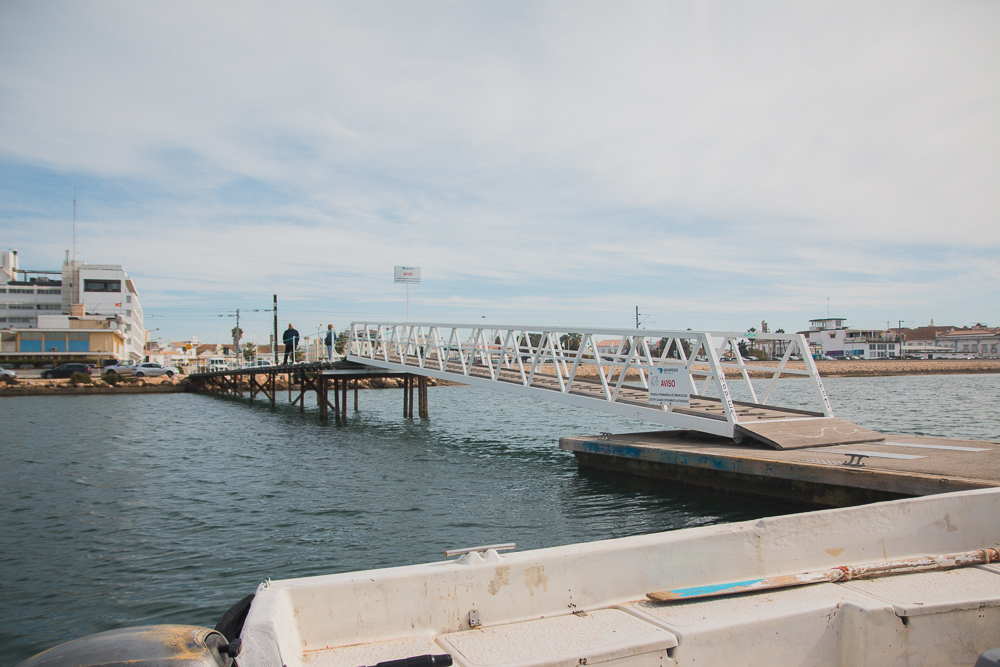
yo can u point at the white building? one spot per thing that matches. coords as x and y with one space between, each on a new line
834 339
103 291
979 341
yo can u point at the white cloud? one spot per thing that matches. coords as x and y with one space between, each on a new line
670 152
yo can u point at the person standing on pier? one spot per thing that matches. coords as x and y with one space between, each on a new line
330 337
291 340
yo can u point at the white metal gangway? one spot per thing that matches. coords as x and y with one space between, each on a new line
610 370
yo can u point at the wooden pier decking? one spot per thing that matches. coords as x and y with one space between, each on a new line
326 379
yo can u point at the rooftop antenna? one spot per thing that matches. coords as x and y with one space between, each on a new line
74 226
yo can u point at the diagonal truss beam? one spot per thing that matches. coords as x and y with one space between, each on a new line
602 369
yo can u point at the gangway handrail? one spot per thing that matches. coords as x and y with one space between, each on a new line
535 360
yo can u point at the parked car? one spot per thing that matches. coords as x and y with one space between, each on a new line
258 363
7 373
153 369
122 368
66 370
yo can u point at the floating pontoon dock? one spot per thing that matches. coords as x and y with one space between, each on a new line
831 476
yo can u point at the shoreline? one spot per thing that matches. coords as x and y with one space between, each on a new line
827 369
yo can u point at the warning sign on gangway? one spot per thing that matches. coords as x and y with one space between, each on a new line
670 385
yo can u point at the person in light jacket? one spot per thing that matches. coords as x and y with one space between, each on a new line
331 337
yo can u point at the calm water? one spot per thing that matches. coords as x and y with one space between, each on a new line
129 510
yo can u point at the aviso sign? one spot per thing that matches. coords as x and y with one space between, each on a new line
407 274
670 385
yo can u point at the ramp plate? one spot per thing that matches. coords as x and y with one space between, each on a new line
800 433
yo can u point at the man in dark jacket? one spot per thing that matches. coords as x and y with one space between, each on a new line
330 341
291 340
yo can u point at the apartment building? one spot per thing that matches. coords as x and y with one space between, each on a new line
83 312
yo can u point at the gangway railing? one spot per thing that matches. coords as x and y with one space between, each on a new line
603 369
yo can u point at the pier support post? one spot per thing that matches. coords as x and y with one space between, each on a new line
409 392
422 392
406 393
321 401
355 395
302 391
343 403
336 398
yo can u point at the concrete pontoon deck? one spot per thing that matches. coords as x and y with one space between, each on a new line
824 475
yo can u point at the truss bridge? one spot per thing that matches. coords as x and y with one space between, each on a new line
717 389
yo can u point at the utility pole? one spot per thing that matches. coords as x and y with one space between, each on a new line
236 339
637 316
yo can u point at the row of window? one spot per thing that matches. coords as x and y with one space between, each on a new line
28 290
102 285
30 306
55 341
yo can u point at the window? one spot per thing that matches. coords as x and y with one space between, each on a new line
55 341
79 342
102 286
31 341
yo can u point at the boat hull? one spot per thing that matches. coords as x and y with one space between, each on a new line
586 603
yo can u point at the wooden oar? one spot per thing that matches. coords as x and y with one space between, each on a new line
842 573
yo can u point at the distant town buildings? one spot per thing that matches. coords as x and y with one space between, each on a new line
83 312
832 338
977 341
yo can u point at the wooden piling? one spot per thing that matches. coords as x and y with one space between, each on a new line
411 388
343 404
321 400
423 397
336 398
406 393
302 391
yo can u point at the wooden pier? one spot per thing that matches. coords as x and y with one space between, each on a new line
329 381
895 466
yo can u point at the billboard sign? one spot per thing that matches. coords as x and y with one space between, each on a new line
407 274
670 385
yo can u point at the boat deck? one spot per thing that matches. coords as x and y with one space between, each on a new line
588 603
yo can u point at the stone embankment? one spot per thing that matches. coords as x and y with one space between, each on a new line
851 368
63 387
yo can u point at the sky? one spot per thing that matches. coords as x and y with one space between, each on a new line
713 164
